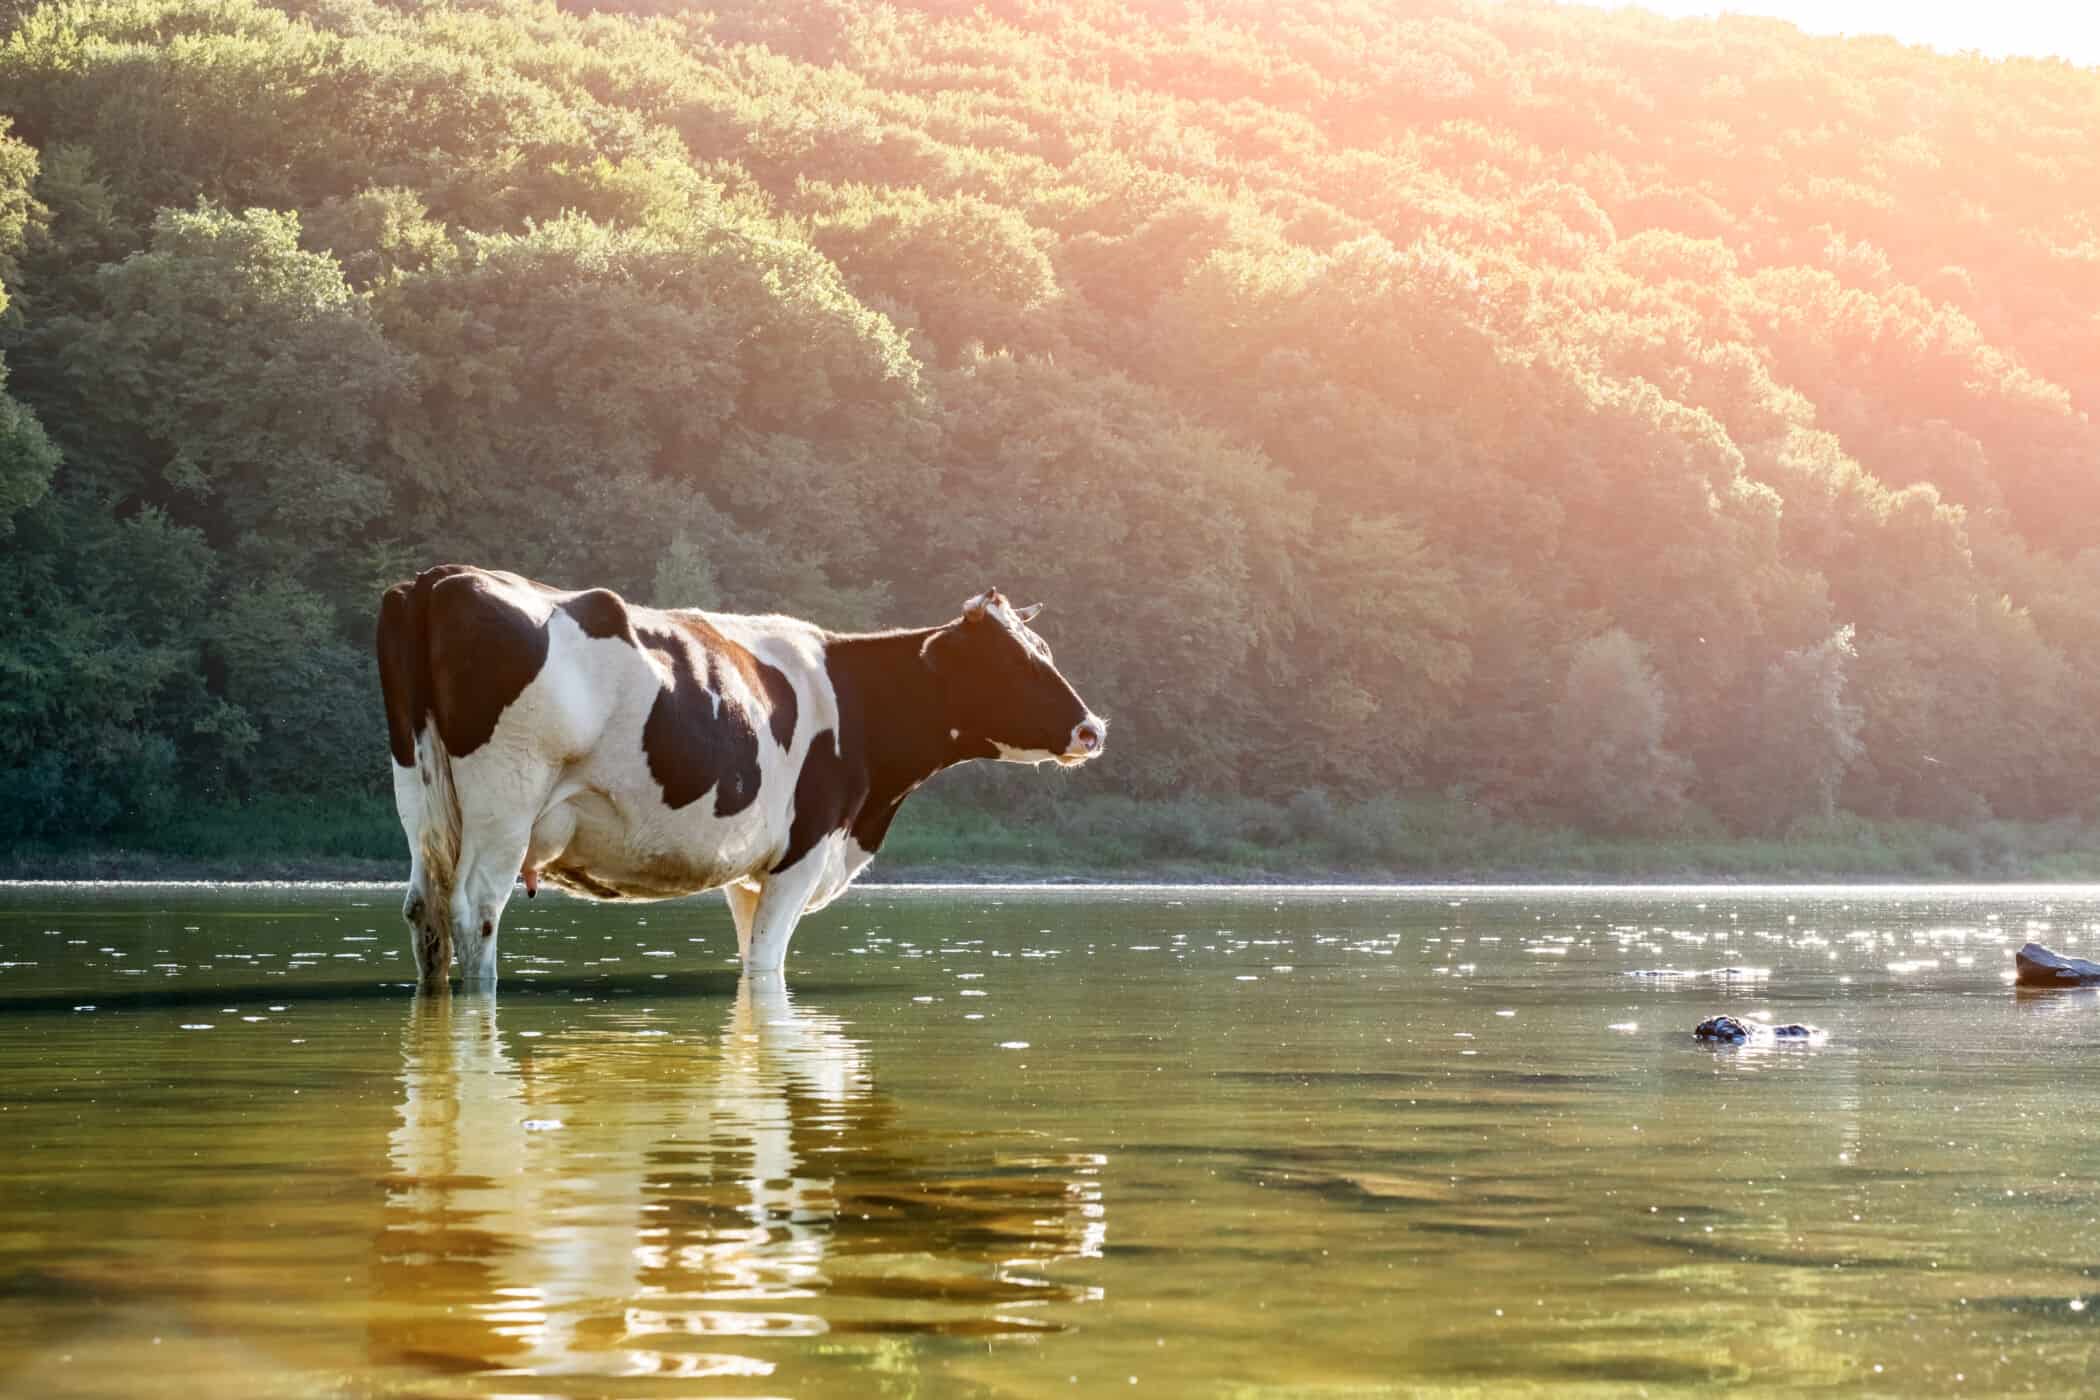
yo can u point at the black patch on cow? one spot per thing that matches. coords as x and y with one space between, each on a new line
452 646
873 823
828 793
600 612
893 734
912 703
781 696
698 736
402 641
399 642
482 650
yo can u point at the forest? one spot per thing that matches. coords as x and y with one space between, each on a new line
1513 413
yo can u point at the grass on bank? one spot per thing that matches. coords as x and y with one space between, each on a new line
1061 837
1439 839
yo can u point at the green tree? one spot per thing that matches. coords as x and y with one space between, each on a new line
1804 737
236 382
1608 727
100 687
27 458
966 268
1352 381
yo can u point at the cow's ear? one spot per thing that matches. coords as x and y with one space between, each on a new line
1028 613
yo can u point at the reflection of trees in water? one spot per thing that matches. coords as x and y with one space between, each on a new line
622 1202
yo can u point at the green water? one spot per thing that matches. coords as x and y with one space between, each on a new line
1018 1143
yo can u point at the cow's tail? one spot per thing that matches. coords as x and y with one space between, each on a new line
440 844
404 646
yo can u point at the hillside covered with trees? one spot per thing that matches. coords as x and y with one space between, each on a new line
1575 417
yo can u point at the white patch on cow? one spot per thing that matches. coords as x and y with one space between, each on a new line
822 875
796 650
843 860
1009 754
408 801
623 833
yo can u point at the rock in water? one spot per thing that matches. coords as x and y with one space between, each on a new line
2036 966
1733 1030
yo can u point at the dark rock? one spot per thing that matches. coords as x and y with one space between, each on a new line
1733 1030
2036 966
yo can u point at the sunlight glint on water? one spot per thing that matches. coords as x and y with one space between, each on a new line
1001 1141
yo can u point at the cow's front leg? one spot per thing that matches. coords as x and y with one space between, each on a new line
743 908
781 900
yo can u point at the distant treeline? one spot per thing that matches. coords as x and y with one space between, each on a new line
1572 418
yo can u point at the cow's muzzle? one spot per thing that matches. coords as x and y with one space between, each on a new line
1088 736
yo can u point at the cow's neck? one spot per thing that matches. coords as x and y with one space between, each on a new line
895 716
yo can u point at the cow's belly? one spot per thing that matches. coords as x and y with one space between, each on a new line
592 845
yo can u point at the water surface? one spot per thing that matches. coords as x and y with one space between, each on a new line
1012 1142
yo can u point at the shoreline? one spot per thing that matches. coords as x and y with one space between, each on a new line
1097 841
123 870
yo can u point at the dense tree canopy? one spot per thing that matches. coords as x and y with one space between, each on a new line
1633 421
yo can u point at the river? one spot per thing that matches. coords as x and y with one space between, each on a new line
1017 1142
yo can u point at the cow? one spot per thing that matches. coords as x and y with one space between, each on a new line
626 752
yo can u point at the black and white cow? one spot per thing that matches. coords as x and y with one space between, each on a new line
623 752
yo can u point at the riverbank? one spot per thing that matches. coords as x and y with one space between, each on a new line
1310 840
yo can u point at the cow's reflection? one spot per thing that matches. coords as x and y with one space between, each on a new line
619 1196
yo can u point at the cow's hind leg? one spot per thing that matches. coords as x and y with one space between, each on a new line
503 789
426 922
490 857
426 927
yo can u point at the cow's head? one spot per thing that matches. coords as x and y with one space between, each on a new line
1003 690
